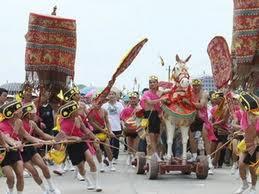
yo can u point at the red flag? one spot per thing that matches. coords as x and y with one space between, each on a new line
125 63
221 62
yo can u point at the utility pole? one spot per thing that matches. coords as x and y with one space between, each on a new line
169 73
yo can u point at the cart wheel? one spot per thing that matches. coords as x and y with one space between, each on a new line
141 161
202 167
152 167
186 172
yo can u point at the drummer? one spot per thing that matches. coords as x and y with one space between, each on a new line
128 118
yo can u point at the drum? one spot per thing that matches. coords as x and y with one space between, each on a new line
131 125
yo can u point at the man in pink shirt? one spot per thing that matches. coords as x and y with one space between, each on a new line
150 102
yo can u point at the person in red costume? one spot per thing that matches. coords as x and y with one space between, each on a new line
11 112
74 129
249 156
201 123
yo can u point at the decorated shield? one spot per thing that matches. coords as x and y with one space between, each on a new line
221 62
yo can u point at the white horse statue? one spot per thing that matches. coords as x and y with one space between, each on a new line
179 111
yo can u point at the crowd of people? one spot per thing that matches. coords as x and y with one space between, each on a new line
226 130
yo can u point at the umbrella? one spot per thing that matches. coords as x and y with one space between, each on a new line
86 89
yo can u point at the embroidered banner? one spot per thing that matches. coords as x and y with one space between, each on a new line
221 62
51 44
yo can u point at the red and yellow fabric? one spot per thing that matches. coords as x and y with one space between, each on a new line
180 106
51 44
221 62
124 64
245 30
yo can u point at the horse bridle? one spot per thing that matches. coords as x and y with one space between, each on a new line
183 74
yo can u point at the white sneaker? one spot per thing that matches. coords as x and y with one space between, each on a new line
98 188
72 168
157 157
112 168
193 159
128 162
79 177
242 189
7 191
210 162
66 166
252 191
114 161
89 184
26 174
58 170
211 172
54 191
234 168
101 167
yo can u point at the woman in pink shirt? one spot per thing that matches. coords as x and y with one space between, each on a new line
11 112
74 129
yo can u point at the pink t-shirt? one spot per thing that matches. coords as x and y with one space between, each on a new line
69 128
6 128
126 113
149 95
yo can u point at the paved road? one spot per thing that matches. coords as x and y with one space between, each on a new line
125 181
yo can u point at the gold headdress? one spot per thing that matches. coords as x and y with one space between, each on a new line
67 96
133 95
153 78
29 108
217 95
196 82
67 109
249 102
7 110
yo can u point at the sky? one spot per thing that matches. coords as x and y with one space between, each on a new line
107 29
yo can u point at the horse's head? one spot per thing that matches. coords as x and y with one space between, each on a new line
180 72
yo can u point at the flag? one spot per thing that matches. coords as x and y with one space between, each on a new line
124 64
221 62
